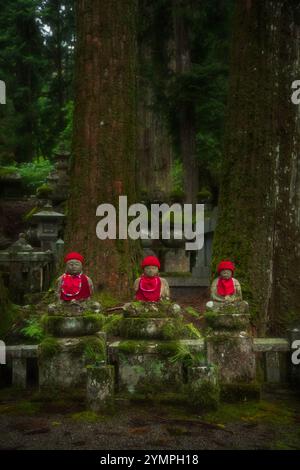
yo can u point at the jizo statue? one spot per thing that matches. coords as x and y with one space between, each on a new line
150 287
73 285
225 288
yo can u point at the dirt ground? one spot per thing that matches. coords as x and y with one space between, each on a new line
30 420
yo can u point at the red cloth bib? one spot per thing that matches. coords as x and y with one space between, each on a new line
149 289
74 287
225 286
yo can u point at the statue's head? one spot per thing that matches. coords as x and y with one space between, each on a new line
226 269
150 266
74 262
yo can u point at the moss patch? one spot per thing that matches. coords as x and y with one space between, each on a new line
49 347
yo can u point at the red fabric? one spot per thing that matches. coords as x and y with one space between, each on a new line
225 265
225 286
74 255
75 287
149 289
150 261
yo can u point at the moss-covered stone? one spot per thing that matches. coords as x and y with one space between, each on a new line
162 309
62 326
49 347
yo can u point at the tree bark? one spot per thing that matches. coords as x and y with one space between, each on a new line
186 116
259 219
104 140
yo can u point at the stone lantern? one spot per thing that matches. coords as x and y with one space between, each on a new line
48 224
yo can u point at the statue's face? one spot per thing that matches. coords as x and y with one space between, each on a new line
151 271
226 273
73 266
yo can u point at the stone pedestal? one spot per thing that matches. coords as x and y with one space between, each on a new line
150 357
230 344
100 387
74 342
203 387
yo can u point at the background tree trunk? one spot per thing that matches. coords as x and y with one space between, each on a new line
104 141
259 223
186 116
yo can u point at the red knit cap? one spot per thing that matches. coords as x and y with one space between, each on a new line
225 265
150 261
74 255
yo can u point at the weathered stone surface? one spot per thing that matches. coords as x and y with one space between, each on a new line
62 361
74 308
148 372
164 348
270 344
235 321
159 328
233 354
100 387
21 351
19 372
273 367
72 326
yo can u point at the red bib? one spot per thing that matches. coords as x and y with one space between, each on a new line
149 289
225 286
74 287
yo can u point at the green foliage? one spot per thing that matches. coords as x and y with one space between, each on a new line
94 351
185 356
33 329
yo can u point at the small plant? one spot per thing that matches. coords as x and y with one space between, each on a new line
187 357
33 329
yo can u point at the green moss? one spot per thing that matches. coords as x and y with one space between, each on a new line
44 190
87 417
26 217
106 299
203 396
112 324
133 347
23 407
168 348
233 392
49 347
277 413
54 324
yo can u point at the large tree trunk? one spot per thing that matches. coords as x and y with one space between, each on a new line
259 223
104 141
187 137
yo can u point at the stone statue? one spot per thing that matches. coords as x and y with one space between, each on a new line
225 289
150 287
73 285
